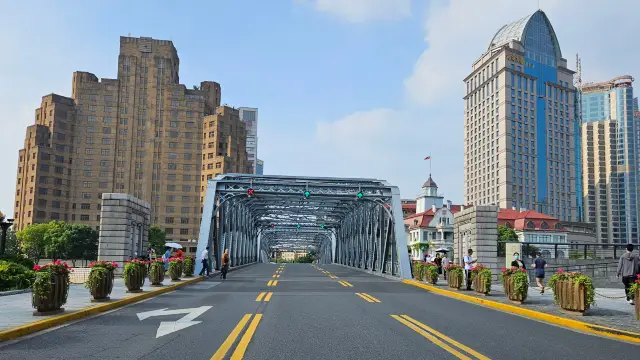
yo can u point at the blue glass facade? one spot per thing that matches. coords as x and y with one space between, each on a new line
540 54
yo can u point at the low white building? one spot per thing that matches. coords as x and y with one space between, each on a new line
431 227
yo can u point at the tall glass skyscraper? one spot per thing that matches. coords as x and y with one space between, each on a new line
610 164
520 130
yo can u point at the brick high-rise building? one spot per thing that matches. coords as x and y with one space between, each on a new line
139 134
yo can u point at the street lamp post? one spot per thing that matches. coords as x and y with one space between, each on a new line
5 224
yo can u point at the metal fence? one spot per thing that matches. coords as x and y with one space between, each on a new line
572 251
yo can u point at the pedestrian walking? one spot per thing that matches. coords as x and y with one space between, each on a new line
204 258
468 264
628 269
517 263
445 263
225 264
539 264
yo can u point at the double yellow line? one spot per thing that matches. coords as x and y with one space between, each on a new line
272 283
345 283
264 296
241 348
368 298
455 348
275 276
333 276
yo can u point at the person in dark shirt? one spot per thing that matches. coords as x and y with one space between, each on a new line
517 262
539 264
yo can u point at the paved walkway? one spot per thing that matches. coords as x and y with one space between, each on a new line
611 308
16 309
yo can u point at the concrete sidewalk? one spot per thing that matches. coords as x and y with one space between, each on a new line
16 310
611 308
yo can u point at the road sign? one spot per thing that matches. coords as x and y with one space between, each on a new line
167 327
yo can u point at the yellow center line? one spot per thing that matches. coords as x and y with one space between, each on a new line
246 338
270 282
268 297
345 284
446 338
333 276
432 338
259 298
364 297
371 297
226 345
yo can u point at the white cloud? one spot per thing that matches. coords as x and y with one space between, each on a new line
358 11
457 33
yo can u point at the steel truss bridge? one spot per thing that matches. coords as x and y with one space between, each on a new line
353 222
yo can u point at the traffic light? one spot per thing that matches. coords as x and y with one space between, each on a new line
359 195
298 226
307 193
321 226
273 226
250 191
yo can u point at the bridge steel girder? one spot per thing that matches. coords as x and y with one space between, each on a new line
366 233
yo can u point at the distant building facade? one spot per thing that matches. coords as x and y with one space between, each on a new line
250 117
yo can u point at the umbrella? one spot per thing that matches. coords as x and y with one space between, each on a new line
173 245
442 250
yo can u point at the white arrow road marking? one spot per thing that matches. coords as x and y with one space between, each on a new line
167 327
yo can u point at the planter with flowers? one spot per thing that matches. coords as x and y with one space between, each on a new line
50 287
455 276
189 266
156 272
431 273
175 268
100 279
572 291
481 279
635 292
516 284
419 270
134 274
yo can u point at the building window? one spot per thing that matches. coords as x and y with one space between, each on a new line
84 217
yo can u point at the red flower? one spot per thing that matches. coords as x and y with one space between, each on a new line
36 267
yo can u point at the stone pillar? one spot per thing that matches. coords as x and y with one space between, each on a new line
124 228
476 228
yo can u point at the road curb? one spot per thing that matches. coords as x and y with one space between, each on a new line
536 315
33 327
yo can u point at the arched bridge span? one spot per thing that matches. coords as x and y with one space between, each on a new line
353 222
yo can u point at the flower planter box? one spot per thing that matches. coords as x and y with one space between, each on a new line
433 279
637 301
156 274
571 296
510 290
480 286
455 280
104 287
189 267
53 299
175 273
135 280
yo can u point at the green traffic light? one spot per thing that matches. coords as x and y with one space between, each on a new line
321 226
307 193
360 195
298 226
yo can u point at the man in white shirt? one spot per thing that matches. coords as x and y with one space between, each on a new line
468 264
445 263
204 257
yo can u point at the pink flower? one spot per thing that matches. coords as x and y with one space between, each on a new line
36 267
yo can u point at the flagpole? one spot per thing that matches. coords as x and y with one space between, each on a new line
429 164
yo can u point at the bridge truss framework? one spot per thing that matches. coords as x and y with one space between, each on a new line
332 222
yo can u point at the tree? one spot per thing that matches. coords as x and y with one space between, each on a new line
32 239
505 234
12 244
57 240
157 239
83 242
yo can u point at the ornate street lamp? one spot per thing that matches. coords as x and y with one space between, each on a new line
5 224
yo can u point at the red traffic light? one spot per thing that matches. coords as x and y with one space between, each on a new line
273 225
250 191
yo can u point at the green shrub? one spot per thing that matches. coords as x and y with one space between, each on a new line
19 259
15 276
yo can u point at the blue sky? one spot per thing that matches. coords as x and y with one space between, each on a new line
357 88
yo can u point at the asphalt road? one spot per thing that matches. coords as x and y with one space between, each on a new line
311 315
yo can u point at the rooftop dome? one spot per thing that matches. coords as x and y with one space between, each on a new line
519 30
429 183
